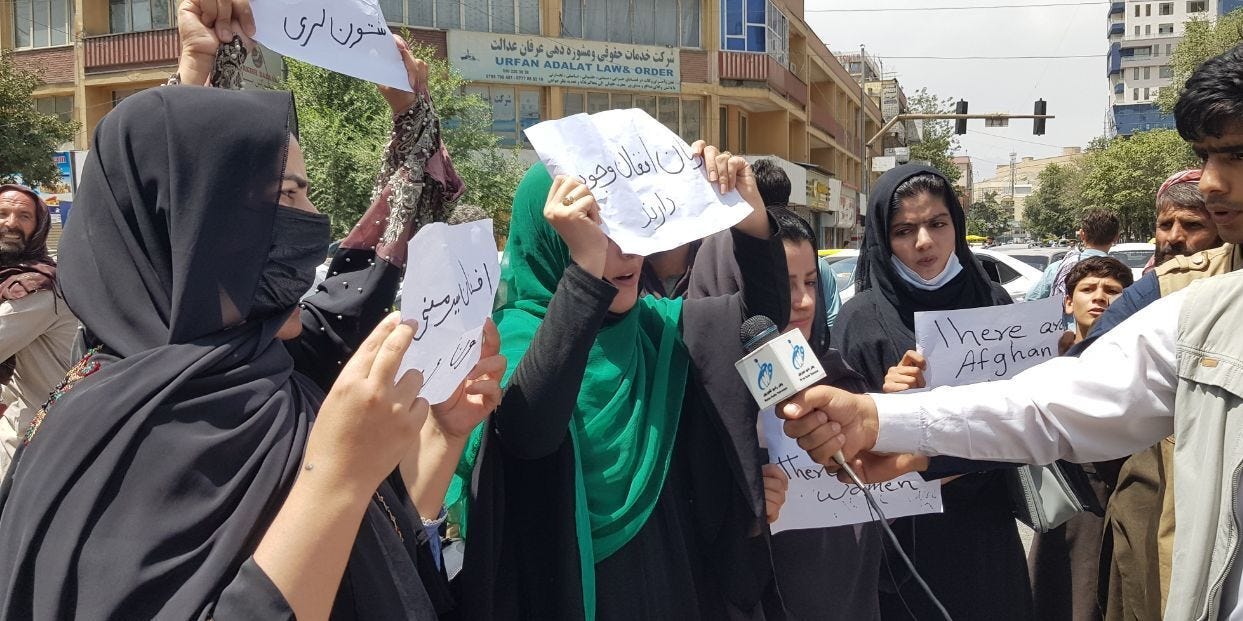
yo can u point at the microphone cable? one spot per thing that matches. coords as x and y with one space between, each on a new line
884 523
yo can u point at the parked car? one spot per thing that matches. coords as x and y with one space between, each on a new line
1035 256
1012 274
1135 256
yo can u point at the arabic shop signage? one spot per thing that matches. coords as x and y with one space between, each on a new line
522 59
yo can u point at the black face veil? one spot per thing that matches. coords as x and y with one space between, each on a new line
191 412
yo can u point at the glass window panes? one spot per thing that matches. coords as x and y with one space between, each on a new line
139 15
622 102
58 33
1165 29
1167 8
528 13
61 107
528 111
733 22
668 112
618 17
394 11
42 34
646 104
595 23
692 117
504 114
724 128
421 13
666 23
23 13
476 15
689 23
597 102
572 18
573 103
502 16
448 13
742 133
1197 6
1167 72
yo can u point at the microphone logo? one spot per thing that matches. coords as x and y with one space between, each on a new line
799 355
766 374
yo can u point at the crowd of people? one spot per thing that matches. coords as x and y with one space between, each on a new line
188 434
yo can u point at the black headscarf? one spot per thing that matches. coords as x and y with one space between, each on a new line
152 479
878 325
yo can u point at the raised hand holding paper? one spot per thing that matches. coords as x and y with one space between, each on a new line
990 343
653 193
347 36
450 296
816 499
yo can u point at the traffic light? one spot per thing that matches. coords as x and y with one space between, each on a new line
960 125
1038 124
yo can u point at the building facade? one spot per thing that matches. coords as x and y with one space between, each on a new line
1017 181
966 181
1142 36
749 75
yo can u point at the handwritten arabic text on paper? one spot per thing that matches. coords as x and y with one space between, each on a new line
450 293
653 194
347 36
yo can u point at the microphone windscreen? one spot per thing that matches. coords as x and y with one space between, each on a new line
756 331
462 214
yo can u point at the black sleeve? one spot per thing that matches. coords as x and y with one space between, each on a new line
942 466
534 414
346 307
765 282
251 595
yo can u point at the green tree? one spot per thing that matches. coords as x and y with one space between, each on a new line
1202 40
27 138
939 140
344 125
1124 177
989 217
1050 211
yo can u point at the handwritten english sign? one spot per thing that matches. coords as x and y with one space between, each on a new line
653 193
816 499
990 343
450 297
346 36
520 59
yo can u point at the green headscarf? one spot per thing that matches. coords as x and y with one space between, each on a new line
626 419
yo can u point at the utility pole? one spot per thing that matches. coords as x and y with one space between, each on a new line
863 146
1014 201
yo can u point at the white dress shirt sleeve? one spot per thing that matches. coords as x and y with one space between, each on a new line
1114 400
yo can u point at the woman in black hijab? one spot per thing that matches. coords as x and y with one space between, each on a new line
915 258
191 466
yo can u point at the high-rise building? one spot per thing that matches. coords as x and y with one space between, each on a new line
1142 37
749 75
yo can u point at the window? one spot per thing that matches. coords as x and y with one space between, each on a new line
1147 73
514 110
1165 72
1169 49
1147 10
1135 73
1197 6
139 15
1135 94
1137 28
1147 93
673 23
742 133
756 27
516 16
1137 10
1148 29
1165 8
42 23
56 106
724 128
683 116
1165 29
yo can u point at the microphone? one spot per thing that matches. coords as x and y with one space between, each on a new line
777 366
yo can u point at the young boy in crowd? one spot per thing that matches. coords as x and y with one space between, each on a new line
1091 286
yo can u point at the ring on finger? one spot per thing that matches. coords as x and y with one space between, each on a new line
569 200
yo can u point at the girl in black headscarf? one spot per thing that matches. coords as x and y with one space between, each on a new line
191 465
915 258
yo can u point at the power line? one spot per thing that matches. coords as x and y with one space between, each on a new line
956 8
1049 57
998 136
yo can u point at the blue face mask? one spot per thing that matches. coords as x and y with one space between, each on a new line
952 269
299 244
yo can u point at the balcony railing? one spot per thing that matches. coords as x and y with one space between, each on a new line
759 67
132 49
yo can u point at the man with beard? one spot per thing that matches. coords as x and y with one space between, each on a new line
1183 224
36 328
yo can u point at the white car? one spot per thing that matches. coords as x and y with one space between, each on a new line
1135 256
1012 274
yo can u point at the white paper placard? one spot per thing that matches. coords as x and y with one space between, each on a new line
449 289
346 36
817 499
989 343
653 194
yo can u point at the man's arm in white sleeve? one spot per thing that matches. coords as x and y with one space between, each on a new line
22 321
1115 399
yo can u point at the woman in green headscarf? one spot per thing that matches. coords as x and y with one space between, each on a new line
620 477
